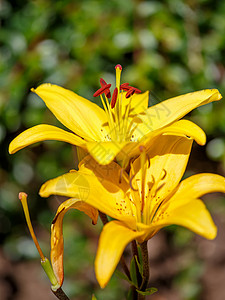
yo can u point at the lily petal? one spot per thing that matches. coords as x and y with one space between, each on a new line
198 185
105 152
168 111
138 103
43 132
57 247
112 242
166 164
182 128
80 115
192 214
112 172
96 191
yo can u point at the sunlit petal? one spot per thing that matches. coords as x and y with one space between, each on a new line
96 191
75 112
105 152
43 132
168 111
166 163
113 240
191 213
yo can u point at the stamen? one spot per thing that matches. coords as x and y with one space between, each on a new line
143 174
121 175
131 184
130 92
103 83
164 175
125 86
102 90
114 97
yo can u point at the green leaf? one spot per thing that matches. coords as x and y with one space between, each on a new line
140 266
130 294
133 273
149 291
140 255
123 276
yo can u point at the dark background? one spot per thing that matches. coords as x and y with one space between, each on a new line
169 47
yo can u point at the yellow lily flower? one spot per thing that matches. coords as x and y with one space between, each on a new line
151 198
119 128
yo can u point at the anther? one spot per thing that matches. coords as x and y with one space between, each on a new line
130 92
103 83
121 175
114 97
164 175
131 185
102 90
125 86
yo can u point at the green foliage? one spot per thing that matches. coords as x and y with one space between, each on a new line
169 47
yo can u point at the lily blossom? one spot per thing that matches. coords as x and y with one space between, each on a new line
117 130
148 199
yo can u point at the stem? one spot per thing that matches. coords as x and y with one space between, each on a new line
59 293
135 253
145 278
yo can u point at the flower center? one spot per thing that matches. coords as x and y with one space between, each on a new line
117 111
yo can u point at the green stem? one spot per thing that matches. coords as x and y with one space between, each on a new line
59 293
135 253
145 278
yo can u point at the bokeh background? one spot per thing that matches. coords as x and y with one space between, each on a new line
169 47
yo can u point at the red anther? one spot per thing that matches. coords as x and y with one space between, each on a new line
118 66
137 91
114 97
103 83
130 92
102 90
125 86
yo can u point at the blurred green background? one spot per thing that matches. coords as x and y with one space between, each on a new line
169 47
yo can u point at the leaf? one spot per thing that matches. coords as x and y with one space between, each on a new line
140 255
93 297
140 266
133 273
123 276
149 291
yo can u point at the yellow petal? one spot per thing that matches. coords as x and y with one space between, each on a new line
105 152
137 103
96 191
78 114
185 128
168 111
199 185
112 242
192 214
178 128
43 133
57 247
167 160
112 172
